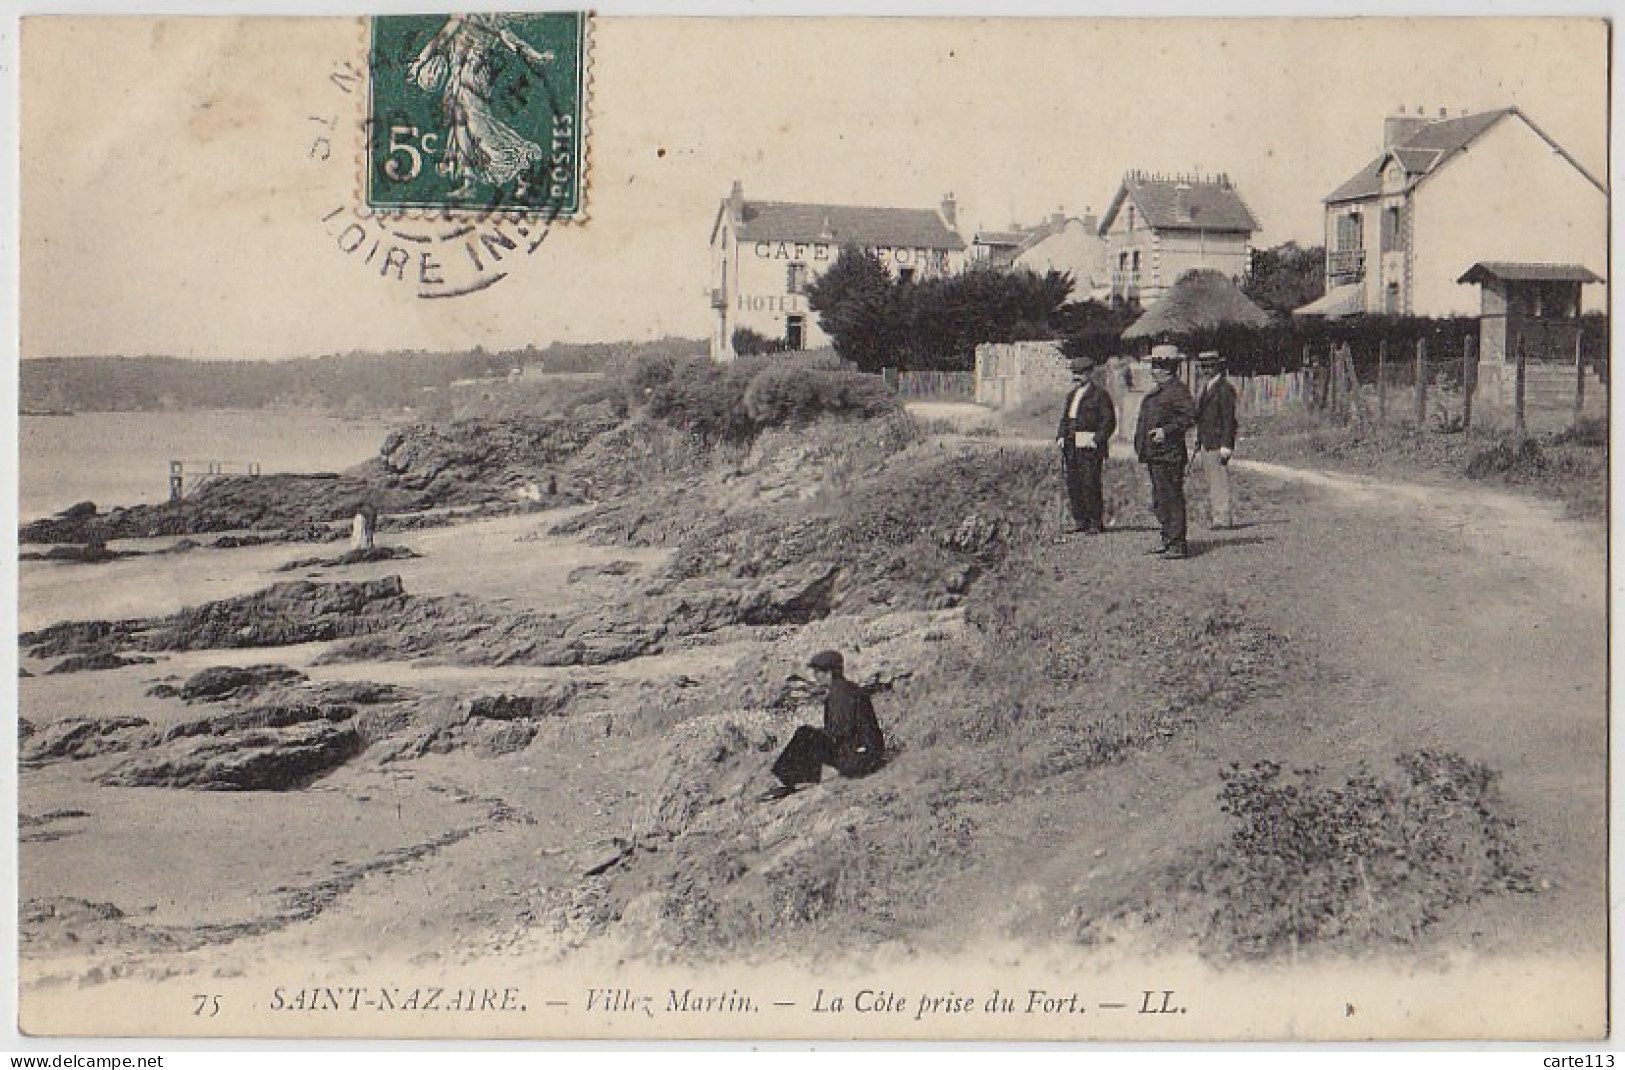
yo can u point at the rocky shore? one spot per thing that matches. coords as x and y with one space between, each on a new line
584 738
489 465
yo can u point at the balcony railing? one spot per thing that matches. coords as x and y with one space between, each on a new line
1346 265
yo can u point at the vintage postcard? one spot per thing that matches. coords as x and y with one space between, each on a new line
564 526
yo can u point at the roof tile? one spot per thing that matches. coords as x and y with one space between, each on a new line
1171 203
1419 154
841 224
1516 272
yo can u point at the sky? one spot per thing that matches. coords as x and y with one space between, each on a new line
173 204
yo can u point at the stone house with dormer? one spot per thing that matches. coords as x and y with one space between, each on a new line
1159 227
1446 193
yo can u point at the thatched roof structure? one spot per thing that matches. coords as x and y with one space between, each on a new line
1200 300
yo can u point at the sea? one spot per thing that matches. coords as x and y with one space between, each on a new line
122 458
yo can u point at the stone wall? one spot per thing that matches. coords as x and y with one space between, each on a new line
1008 374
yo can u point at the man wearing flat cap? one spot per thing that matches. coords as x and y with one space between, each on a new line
1088 419
1215 434
1166 414
850 740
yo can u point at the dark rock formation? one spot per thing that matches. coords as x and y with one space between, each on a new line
230 681
474 461
82 737
489 725
94 552
471 462
298 611
262 759
260 503
239 722
353 557
96 663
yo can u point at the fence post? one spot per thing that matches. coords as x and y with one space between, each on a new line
1332 376
1421 382
1356 401
1579 376
1382 380
1308 368
1518 426
1469 381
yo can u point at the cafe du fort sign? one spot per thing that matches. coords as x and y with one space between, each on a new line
821 252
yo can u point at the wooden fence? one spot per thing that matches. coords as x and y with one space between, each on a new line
949 386
1438 387
1271 393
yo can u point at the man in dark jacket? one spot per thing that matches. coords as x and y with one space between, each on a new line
1216 434
850 740
1166 413
1088 419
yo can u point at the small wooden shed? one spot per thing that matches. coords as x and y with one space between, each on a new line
1536 306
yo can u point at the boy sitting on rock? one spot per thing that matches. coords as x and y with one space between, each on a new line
850 740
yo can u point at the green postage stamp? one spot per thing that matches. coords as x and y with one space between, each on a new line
481 112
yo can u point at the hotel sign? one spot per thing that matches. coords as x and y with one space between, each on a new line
772 303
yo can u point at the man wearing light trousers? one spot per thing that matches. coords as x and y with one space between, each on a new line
1216 435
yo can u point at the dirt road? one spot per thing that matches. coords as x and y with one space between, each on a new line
1475 620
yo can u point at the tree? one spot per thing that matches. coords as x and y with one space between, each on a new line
948 318
1286 277
857 306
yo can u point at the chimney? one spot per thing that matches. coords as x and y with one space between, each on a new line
1058 216
950 211
1182 200
1397 129
736 200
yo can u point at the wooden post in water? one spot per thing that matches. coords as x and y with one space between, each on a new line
1469 380
1421 382
1382 380
1579 376
1518 426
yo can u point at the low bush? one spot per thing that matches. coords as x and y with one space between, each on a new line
793 396
732 403
748 343
1369 859
705 399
